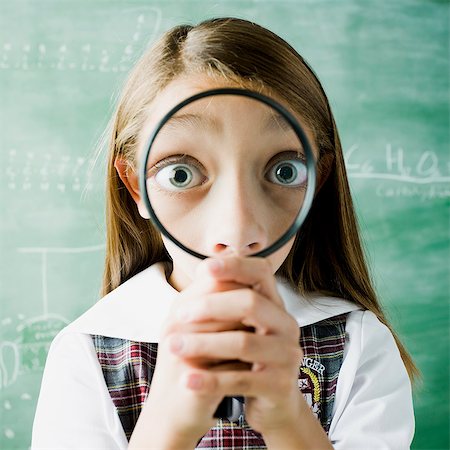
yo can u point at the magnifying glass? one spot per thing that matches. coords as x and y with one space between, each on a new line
228 169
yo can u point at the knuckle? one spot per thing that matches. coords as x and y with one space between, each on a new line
243 342
195 381
251 302
212 284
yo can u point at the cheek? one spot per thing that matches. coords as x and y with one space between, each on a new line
181 217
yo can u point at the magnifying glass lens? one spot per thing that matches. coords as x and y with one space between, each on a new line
226 173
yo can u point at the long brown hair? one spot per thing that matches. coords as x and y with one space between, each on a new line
327 255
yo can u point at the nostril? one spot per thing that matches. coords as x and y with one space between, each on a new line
220 247
246 249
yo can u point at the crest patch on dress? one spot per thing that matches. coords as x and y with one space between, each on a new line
309 384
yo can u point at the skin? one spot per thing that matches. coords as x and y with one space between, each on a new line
228 323
241 212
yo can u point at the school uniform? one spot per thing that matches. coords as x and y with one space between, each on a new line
99 369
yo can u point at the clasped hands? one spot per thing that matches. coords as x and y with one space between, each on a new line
233 334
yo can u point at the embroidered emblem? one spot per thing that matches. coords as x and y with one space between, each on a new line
313 364
310 386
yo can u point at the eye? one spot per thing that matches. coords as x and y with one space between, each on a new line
175 177
288 172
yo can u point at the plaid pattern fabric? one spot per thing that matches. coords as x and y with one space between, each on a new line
128 369
323 349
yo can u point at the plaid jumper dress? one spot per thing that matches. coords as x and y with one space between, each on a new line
128 369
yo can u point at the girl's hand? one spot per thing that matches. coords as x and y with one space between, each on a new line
172 393
273 399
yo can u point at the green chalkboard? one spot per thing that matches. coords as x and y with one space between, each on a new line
385 67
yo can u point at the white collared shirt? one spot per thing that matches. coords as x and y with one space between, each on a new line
373 407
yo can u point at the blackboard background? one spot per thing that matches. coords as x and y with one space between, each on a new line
385 67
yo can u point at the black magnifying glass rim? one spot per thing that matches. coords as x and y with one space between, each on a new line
310 166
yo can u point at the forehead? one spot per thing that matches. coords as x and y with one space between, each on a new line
211 112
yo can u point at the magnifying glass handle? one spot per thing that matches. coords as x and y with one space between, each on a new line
230 408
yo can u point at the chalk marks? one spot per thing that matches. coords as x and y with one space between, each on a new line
26 170
26 354
399 173
86 57
24 351
27 350
44 252
400 177
9 433
35 336
9 363
422 193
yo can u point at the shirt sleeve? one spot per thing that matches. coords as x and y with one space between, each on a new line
373 405
74 409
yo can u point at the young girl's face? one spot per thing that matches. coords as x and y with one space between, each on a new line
226 175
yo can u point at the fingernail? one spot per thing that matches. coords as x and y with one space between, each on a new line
176 344
195 381
215 265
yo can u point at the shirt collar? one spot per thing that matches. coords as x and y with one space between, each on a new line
138 308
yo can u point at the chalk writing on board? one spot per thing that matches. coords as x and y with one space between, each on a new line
427 168
400 174
86 57
47 172
25 355
27 352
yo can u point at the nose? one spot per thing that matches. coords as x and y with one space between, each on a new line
238 226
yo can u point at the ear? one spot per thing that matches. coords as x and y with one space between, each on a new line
131 182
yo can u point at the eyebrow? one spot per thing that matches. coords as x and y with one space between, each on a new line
189 120
274 121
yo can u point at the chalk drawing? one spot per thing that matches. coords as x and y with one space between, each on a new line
9 363
28 351
426 169
4 62
44 252
89 56
48 172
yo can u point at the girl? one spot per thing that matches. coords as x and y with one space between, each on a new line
147 366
